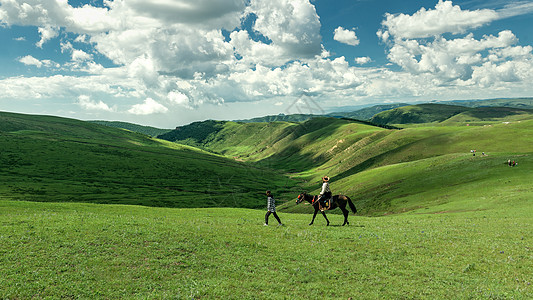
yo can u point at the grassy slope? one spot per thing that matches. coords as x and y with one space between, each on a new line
350 151
426 167
435 113
502 102
56 159
72 250
421 113
148 130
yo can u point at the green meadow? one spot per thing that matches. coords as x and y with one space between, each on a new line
62 160
70 250
89 211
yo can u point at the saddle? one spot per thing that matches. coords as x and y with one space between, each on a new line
327 205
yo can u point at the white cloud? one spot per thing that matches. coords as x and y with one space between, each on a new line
345 36
178 98
32 61
363 60
203 13
86 103
80 55
446 17
82 38
455 58
47 33
293 26
418 47
148 107
515 9
111 82
173 54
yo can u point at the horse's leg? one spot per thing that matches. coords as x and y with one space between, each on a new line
314 215
324 214
345 213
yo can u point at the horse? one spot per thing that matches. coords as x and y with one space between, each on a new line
339 201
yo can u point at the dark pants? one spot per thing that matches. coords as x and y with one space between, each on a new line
275 216
324 197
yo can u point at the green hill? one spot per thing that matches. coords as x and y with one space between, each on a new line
56 159
421 113
489 115
368 112
148 130
280 118
436 113
349 152
281 145
450 222
525 103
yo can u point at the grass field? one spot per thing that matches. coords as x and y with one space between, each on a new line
71 250
450 225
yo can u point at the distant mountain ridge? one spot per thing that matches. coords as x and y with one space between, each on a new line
526 103
363 114
148 130
435 113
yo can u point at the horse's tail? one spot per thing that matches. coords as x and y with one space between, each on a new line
352 206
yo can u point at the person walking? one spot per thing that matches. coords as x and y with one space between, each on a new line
271 208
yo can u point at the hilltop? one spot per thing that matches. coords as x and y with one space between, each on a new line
438 113
148 130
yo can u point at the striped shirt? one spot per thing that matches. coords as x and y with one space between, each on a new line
271 204
325 188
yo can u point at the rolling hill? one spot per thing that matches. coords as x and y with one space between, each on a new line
436 113
368 112
450 222
351 153
148 130
526 103
222 163
55 159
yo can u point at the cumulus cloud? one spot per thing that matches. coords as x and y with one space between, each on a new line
32 61
446 17
166 55
87 103
292 26
47 33
417 45
451 58
363 60
148 107
203 13
178 98
345 36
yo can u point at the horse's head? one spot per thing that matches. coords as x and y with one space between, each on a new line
301 198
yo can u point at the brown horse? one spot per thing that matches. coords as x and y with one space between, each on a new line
339 201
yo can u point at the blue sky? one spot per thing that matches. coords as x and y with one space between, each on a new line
171 62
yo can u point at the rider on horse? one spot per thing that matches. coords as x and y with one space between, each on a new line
325 193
